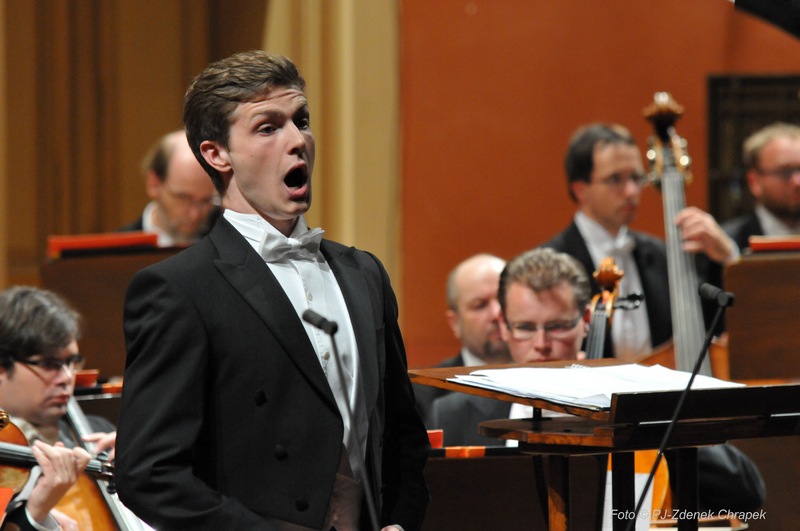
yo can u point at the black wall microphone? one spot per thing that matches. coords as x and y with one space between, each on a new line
716 295
315 319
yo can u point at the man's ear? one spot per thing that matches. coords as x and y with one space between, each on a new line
216 155
453 321
754 183
505 333
152 184
578 190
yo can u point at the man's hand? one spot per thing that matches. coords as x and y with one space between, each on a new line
701 233
66 523
102 442
60 469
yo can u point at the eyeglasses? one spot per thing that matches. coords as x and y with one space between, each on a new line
187 202
552 330
51 364
617 182
785 174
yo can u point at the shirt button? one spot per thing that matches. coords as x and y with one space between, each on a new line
326 355
309 297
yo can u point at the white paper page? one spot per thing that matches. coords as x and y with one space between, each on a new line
585 386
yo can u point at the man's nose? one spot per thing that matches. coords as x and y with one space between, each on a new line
541 341
495 309
297 139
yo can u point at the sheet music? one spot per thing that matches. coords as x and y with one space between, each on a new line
586 387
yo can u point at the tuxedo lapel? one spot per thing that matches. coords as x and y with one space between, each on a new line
353 284
576 246
253 280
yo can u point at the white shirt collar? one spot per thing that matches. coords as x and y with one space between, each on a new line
470 359
253 227
772 225
600 242
148 225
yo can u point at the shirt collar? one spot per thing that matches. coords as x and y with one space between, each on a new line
253 227
598 239
773 226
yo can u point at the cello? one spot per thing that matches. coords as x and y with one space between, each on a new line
669 170
122 517
17 459
608 276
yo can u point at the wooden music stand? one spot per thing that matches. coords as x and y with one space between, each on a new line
635 421
762 325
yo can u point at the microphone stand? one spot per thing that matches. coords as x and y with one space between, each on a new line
330 328
722 299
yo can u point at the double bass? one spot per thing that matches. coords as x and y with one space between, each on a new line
669 170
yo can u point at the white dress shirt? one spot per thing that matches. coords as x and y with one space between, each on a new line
630 330
311 285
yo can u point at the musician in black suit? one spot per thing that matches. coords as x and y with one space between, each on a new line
38 361
473 314
605 179
234 414
771 159
183 202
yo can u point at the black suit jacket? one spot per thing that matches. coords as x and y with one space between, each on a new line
226 414
458 415
740 229
651 260
137 225
424 395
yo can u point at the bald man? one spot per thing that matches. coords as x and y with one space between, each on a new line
184 203
473 314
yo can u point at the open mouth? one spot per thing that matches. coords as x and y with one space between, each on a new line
296 178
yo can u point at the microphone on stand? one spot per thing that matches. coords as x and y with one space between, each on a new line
330 328
714 294
723 299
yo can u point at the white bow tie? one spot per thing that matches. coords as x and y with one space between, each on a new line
277 247
622 246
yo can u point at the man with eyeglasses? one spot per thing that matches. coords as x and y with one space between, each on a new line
184 203
605 178
38 361
771 158
545 296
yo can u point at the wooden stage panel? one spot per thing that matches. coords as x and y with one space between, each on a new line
95 285
762 324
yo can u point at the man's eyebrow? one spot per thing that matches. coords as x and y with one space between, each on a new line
272 114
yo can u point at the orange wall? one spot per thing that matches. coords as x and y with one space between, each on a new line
492 91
